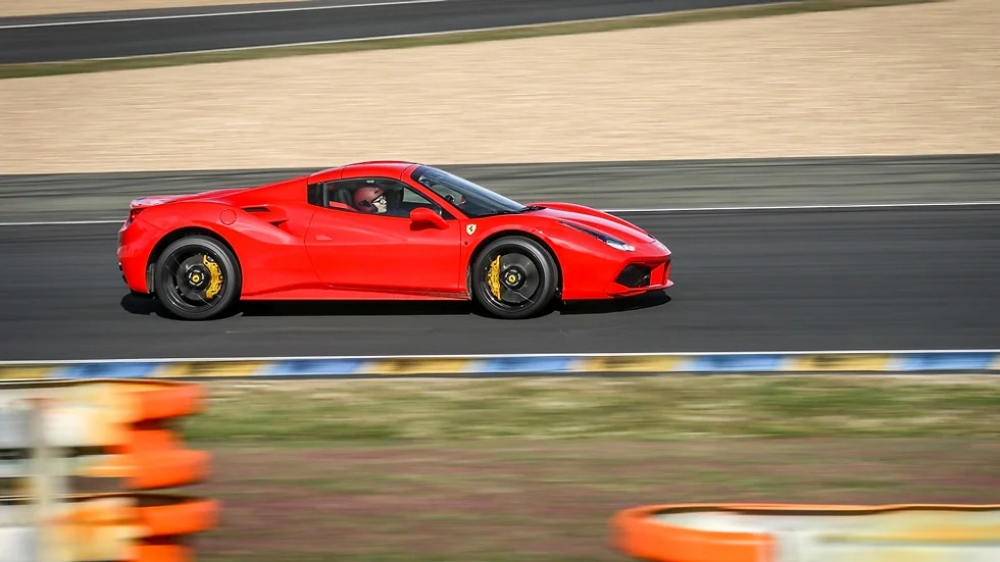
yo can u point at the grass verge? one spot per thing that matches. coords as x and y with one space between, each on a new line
26 70
532 469
645 408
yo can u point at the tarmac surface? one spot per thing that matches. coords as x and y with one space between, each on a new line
155 32
799 279
872 279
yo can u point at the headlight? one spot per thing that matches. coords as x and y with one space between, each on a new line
619 245
609 240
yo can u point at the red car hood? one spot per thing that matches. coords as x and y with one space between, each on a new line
596 220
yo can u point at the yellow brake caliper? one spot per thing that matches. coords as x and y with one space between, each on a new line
494 277
216 271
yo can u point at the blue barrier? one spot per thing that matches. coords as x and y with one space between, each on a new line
915 362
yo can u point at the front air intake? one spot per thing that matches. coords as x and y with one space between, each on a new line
634 276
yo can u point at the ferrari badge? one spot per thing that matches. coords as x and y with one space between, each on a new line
470 229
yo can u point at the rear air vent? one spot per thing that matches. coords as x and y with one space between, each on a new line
257 209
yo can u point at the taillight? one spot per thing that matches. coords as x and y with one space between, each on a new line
134 212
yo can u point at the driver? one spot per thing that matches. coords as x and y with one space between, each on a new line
371 200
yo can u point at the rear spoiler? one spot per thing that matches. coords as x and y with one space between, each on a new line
153 200
137 205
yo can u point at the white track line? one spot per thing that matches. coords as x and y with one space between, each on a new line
485 356
217 14
859 206
60 223
808 207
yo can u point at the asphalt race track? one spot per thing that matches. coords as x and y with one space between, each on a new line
671 184
81 36
862 279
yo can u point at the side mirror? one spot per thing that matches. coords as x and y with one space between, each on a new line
425 216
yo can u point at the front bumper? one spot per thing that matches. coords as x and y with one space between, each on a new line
606 274
637 277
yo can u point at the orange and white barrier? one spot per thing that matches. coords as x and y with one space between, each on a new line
106 435
808 533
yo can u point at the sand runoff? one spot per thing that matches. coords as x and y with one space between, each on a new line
19 8
895 80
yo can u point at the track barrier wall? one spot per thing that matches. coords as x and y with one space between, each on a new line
78 462
809 533
907 362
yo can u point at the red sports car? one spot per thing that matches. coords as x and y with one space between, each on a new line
380 230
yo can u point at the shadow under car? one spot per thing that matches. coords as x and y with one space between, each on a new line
146 305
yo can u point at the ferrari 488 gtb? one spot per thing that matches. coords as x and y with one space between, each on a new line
380 230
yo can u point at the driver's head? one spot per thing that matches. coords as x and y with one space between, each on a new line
370 200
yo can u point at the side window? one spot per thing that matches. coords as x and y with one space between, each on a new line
378 196
412 197
339 195
315 194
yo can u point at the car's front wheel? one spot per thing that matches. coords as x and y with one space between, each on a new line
197 278
514 277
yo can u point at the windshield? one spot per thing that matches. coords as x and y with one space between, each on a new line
472 199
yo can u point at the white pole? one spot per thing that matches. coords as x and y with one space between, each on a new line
43 485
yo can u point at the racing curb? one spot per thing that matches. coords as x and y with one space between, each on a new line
886 362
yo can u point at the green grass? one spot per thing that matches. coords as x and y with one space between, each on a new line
399 411
531 469
676 18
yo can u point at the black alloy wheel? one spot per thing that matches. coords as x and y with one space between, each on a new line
197 278
514 277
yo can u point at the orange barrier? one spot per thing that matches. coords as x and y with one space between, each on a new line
801 533
111 432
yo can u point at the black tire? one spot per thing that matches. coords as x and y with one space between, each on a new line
187 284
521 284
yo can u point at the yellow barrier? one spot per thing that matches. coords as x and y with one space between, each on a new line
98 434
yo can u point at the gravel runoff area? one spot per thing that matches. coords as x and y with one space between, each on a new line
19 8
518 500
907 79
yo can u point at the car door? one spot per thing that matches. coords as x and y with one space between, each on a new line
358 251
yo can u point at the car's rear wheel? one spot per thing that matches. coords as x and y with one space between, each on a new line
197 278
514 277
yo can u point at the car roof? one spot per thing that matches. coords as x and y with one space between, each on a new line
391 168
